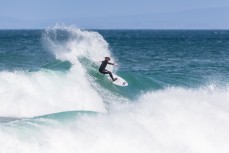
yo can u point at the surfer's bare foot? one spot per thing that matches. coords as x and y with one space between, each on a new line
115 79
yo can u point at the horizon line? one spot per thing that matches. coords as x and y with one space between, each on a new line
118 29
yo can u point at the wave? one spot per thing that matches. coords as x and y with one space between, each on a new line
71 82
170 120
67 106
25 94
62 85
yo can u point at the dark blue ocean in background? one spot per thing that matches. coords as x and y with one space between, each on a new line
54 100
165 57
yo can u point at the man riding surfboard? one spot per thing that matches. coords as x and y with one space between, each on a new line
103 66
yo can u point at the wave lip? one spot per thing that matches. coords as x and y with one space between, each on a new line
69 43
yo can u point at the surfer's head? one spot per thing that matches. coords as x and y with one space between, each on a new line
107 58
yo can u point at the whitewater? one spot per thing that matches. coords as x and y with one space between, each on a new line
64 105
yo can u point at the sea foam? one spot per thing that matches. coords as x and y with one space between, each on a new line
173 120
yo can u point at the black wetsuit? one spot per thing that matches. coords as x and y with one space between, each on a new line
103 70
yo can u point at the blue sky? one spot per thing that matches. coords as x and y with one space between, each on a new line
115 14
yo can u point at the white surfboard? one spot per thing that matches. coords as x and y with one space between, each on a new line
119 82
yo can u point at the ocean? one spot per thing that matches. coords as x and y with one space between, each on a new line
54 100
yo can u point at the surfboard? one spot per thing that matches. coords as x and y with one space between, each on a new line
119 82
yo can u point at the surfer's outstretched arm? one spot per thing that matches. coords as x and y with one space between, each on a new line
112 64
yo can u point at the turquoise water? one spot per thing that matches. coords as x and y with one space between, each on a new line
54 100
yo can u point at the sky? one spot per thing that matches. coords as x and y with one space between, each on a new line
115 14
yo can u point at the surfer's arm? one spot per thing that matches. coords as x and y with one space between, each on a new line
112 64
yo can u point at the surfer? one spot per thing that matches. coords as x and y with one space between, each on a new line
103 66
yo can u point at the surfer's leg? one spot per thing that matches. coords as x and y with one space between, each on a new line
111 75
108 72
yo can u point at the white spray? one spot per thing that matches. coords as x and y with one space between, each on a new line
27 94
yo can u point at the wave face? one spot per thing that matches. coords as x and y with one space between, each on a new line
26 93
54 100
